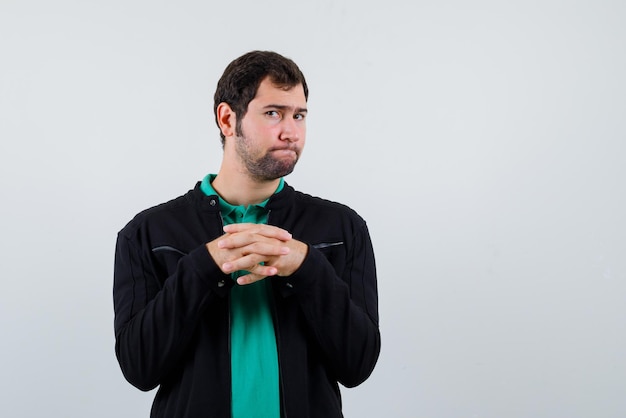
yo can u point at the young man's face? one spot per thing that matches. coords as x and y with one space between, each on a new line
273 131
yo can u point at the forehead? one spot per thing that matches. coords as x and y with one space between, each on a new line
269 93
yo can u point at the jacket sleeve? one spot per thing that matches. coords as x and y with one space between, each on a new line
342 311
155 317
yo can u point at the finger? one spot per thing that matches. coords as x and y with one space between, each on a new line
253 244
249 279
261 270
268 231
250 263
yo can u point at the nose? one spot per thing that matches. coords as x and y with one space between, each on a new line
291 130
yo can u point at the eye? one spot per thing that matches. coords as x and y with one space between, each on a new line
299 116
272 114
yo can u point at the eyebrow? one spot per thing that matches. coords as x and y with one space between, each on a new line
285 107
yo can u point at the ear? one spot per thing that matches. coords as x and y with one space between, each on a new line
226 119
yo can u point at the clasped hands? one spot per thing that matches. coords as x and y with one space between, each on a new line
262 250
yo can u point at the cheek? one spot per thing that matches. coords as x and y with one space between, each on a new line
253 132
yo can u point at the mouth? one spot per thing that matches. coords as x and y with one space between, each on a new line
284 151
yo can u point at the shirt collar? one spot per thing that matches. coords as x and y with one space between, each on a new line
226 207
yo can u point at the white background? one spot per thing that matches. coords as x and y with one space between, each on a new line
483 141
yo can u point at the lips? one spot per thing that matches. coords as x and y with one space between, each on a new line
284 151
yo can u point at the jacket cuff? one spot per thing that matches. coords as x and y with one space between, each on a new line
305 276
206 269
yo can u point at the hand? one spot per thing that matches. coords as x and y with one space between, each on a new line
246 246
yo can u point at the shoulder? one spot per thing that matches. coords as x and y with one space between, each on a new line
297 207
164 213
324 205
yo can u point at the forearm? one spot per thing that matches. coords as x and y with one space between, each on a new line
153 325
341 312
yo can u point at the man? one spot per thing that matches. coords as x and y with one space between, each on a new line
245 298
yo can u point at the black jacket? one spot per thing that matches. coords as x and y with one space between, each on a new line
172 307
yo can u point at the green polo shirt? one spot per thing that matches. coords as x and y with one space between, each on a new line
253 357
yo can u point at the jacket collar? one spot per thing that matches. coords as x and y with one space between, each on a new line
211 203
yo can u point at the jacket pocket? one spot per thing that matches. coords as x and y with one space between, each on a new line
335 253
165 260
327 245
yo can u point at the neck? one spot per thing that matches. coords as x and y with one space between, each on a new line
239 189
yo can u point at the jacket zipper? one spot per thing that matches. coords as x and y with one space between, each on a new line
230 374
270 288
283 405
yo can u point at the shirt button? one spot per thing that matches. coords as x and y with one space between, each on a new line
213 202
221 283
289 285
